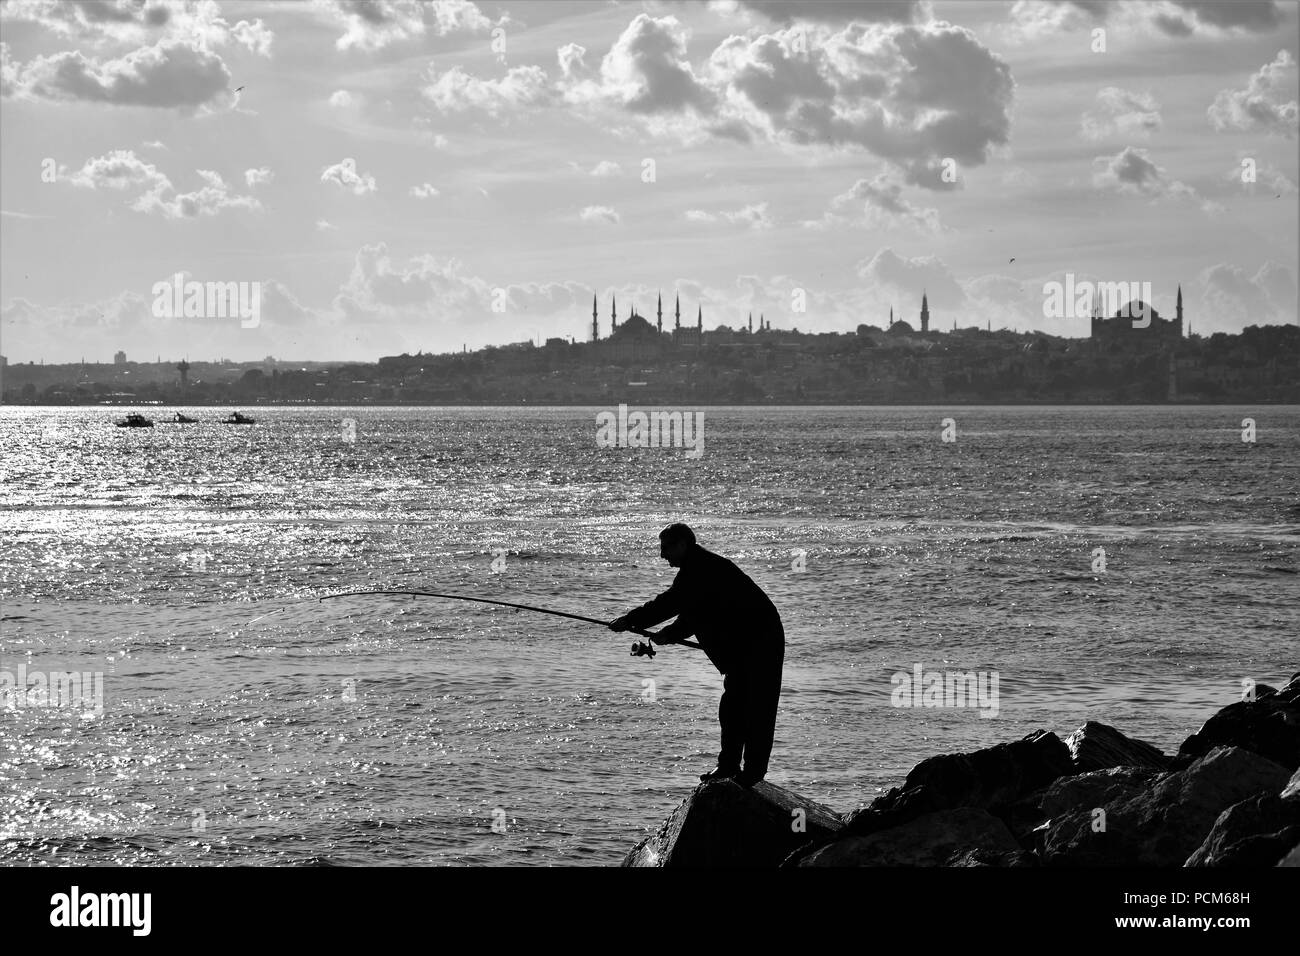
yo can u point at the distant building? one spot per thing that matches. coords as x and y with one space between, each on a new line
119 358
1120 328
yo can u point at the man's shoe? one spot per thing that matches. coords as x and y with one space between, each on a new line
746 779
719 773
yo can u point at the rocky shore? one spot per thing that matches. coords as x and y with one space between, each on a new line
1230 797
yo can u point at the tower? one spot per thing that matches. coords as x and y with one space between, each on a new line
699 322
1179 316
659 313
183 368
595 329
613 313
678 320
751 323
925 314
891 318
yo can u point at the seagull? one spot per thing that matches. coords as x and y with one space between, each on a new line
1011 260
238 88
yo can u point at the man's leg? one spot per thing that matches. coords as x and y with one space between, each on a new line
732 718
762 697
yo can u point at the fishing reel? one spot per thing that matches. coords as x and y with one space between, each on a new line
643 649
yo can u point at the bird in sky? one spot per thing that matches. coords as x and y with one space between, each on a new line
1012 259
238 88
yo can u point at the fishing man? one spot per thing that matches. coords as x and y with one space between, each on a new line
739 628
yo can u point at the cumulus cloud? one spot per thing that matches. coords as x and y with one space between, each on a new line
101 22
375 24
208 200
1033 19
878 202
922 274
1233 295
1121 113
170 75
379 287
342 99
830 11
752 216
605 168
1132 172
456 91
324 225
120 169
345 174
602 214
1264 104
425 191
256 177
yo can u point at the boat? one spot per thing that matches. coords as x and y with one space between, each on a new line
237 419
183 419
135 420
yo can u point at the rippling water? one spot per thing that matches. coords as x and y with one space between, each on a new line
246 722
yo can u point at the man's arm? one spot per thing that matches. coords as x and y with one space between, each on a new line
655 611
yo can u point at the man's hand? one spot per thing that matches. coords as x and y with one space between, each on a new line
661 639
620 624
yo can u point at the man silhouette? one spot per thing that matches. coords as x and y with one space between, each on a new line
739 628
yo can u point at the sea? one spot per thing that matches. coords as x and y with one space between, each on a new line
1135 566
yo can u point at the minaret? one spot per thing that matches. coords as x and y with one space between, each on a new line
613 313
751 323
595 329
1180 309
659 313
678 313
925 314
699 325
760 320
891 318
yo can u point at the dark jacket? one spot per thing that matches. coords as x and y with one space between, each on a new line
736 622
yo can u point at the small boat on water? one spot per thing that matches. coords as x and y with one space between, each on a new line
135 420
237 419
183 419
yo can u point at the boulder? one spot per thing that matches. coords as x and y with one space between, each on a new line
1164 825
1256 832
994 779
1097 746
963 837
724 824
1096 789
1268 725
1292 789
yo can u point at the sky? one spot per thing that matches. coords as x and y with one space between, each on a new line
394 176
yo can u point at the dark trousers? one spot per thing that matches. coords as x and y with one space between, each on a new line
747 711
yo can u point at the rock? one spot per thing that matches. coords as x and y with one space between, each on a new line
723 824
1292 789
1164 825
1096 746
1255 832
1292 858
993 779
963 837
1096 789
1268 726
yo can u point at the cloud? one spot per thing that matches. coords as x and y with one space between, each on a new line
605 168
882 204
345 174
1035 19
599 214
208 200
101 22
425 191
753 216
168 75
831 11
1121 113
324 225
256 177
647 69
1132 172
375 24
379 287
1231 294
456 91
1263 105
922 274
120 169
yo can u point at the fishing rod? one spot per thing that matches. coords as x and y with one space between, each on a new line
638 649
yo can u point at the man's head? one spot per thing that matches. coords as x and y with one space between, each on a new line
675 542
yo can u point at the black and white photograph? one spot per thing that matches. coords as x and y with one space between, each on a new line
742 436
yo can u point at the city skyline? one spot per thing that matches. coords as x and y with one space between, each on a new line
454 174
